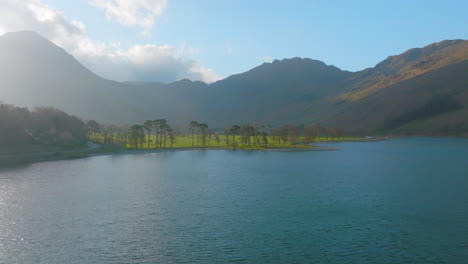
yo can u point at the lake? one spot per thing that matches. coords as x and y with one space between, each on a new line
394 201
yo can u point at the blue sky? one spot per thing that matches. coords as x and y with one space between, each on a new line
230 37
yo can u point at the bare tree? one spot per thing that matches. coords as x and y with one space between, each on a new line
294 134
282 133
93 127
204 132
136 136
311 133
234 131
193 125
148 125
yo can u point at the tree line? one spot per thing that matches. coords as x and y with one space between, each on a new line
51 126
135 136
159 134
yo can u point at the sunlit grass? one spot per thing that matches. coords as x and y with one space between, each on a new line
185 141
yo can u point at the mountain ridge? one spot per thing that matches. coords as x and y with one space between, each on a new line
295 90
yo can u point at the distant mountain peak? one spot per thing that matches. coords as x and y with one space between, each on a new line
32 43
23 32
298 60
395 63
25 36
445 43
308 63
186 81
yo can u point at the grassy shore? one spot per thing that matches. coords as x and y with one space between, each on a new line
186 142
182 143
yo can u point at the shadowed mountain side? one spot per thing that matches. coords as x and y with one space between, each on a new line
391 103
35 72
397 91
273 92
180 101
407 65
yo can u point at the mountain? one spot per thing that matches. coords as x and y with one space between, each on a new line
407 65
275 92
35 72
384 97
423 90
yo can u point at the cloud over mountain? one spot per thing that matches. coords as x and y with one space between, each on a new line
150 62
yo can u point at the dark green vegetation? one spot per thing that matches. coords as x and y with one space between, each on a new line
436 106
393 97
44 129
49 134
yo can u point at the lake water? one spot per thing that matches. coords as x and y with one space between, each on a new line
396 201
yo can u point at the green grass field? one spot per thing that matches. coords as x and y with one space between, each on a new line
186 142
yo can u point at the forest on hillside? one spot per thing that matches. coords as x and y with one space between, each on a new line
43 128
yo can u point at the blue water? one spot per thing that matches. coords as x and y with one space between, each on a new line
395 201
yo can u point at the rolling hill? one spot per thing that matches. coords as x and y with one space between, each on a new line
421 91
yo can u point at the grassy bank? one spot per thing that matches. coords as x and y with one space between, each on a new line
182 143
236 142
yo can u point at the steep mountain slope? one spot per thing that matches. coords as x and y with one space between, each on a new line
423 90
405 93
432 103
407 65
35 72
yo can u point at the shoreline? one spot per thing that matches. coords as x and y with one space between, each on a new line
144 151
86 153
374 139
90 151
94 149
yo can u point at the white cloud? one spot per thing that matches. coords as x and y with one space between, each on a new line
138 63
266 59
132 13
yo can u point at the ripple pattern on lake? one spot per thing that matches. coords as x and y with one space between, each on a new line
396 201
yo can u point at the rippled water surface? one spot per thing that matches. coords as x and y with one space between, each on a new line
396 201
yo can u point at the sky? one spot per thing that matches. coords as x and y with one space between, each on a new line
207 40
